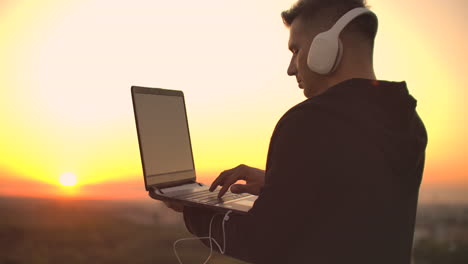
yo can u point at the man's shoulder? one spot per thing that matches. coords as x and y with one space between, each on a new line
307 118
303 113
343 101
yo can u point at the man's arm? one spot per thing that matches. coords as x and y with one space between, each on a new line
297 183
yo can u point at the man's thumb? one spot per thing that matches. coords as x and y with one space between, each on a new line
238 188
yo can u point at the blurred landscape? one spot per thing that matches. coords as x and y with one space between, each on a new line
97 231
94 231
441 234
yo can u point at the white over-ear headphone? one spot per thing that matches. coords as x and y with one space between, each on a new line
326 49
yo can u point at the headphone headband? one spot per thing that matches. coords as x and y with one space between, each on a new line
347 18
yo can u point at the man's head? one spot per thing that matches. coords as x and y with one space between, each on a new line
306 19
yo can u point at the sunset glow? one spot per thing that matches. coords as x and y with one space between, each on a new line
68 179
67 68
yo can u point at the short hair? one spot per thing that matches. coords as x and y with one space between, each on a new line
307 9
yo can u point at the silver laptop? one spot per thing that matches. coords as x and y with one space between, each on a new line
166 153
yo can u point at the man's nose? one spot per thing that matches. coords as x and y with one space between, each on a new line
292 68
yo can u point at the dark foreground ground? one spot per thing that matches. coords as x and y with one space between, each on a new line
75 231
80 231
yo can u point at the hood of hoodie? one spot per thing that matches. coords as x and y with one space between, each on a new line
386 113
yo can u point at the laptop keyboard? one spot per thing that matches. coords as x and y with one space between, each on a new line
207 197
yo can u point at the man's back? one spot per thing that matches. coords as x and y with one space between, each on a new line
342 180
377 144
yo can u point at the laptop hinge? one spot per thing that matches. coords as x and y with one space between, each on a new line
179 187
164 186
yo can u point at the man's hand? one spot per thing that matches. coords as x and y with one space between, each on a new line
174 205
255 179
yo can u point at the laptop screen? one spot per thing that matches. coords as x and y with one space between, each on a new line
163 135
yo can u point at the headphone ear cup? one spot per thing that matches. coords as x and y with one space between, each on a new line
323 53
339 56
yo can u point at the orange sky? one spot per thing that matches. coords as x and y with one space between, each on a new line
67 68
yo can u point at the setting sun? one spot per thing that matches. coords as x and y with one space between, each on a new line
68 179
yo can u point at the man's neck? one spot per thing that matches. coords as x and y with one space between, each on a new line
369 74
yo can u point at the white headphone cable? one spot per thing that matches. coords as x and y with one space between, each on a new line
225 219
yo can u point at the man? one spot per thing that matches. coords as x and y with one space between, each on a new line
344 166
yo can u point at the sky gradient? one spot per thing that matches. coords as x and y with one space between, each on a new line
67 68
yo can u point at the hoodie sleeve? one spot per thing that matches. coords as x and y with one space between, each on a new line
299 173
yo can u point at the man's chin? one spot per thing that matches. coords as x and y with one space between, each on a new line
307 93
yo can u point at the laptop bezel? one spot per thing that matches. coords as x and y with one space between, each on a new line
165 92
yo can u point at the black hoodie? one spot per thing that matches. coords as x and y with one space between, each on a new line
341 185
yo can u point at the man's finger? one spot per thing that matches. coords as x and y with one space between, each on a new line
220 179
228 182
216 182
